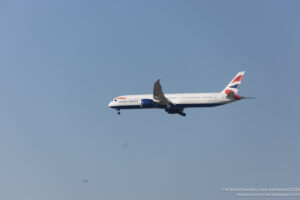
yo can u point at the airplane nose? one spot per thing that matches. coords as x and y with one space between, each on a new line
110 104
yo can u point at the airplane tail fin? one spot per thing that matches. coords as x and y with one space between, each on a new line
233 86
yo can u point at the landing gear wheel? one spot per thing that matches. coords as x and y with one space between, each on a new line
182 114
118 112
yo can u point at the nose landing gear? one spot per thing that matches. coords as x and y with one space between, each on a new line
119 112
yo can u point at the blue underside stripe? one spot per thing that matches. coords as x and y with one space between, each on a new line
177 105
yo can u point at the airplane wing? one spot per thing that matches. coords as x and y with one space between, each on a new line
159 96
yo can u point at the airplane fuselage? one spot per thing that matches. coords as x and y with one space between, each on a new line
181 100
176 103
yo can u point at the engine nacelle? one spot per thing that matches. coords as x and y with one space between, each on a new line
147 103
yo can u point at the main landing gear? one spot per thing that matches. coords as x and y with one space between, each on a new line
175 110
182 114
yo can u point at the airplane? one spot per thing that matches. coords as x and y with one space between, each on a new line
176 103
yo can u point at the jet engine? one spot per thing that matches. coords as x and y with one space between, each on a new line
147 103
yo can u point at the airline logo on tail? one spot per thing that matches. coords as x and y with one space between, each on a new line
234 84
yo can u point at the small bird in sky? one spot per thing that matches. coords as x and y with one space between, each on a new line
125 145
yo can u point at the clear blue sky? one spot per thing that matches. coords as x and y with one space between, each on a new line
61 62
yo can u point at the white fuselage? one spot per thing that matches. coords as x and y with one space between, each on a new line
183 100
176 103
